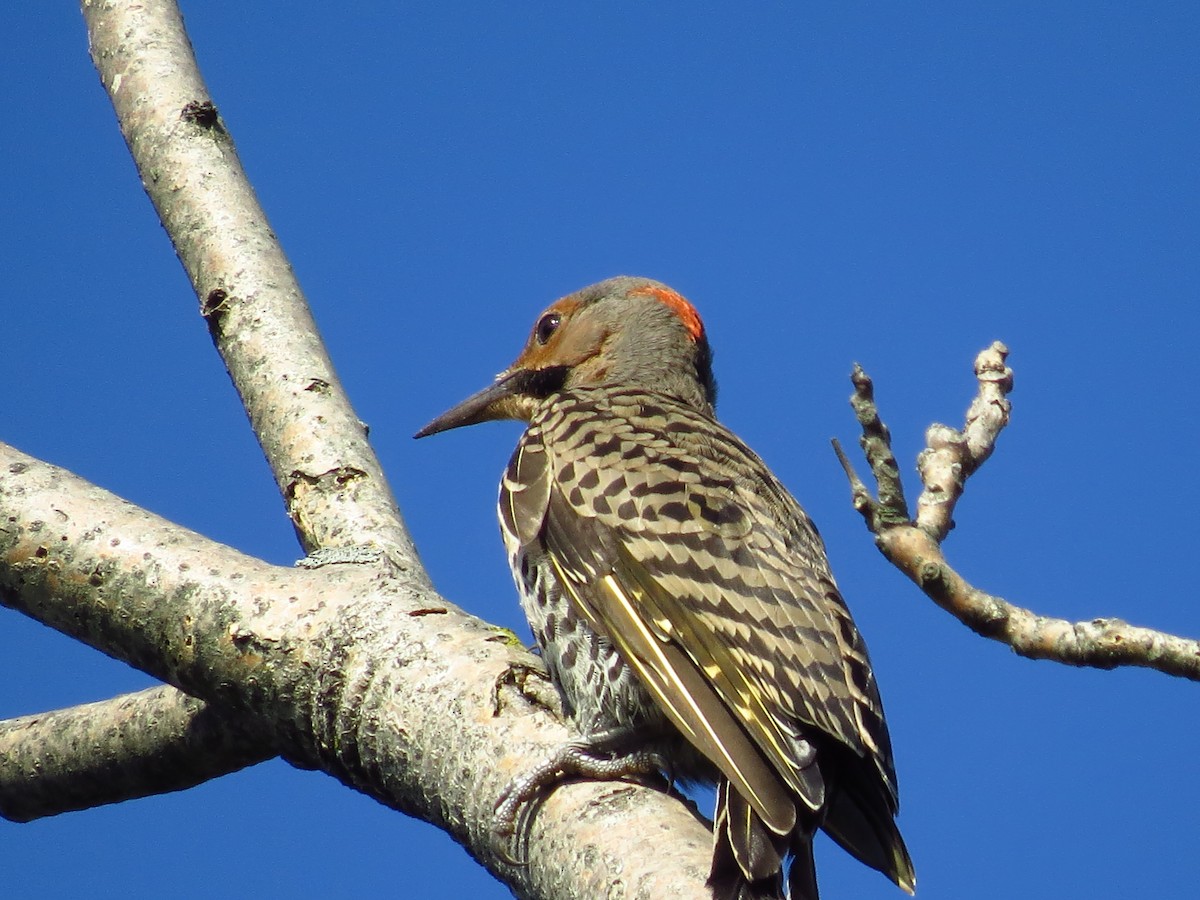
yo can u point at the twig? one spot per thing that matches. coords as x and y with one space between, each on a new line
914 546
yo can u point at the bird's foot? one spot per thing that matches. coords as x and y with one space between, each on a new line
593 759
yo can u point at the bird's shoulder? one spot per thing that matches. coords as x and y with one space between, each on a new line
657 456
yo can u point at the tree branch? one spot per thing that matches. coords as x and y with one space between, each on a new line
356 670
914 546
334 488
135 745
316 446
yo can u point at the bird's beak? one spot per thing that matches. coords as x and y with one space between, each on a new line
500 400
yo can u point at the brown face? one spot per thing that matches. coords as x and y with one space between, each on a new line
562 337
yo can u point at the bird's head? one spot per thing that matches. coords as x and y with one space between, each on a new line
623 332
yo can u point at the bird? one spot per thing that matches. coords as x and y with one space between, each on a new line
680 597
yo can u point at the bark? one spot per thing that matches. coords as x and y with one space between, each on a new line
135 745
256 312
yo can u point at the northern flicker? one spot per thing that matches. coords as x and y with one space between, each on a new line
680 597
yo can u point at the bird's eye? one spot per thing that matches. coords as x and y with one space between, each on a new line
546 326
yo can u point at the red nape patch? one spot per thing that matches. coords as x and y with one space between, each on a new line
686 312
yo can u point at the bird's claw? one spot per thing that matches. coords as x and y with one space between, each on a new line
578 759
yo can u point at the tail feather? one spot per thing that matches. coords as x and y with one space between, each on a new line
872 839
747 856
802 878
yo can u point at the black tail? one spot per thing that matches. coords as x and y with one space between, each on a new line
747 856
864 826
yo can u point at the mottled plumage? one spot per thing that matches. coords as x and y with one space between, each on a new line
676 588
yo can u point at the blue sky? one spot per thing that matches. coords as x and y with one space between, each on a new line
897 184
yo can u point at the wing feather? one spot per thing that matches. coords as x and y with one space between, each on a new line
690 702
614 605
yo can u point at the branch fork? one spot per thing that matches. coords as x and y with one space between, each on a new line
914 544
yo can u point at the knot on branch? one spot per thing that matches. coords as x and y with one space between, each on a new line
203 113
